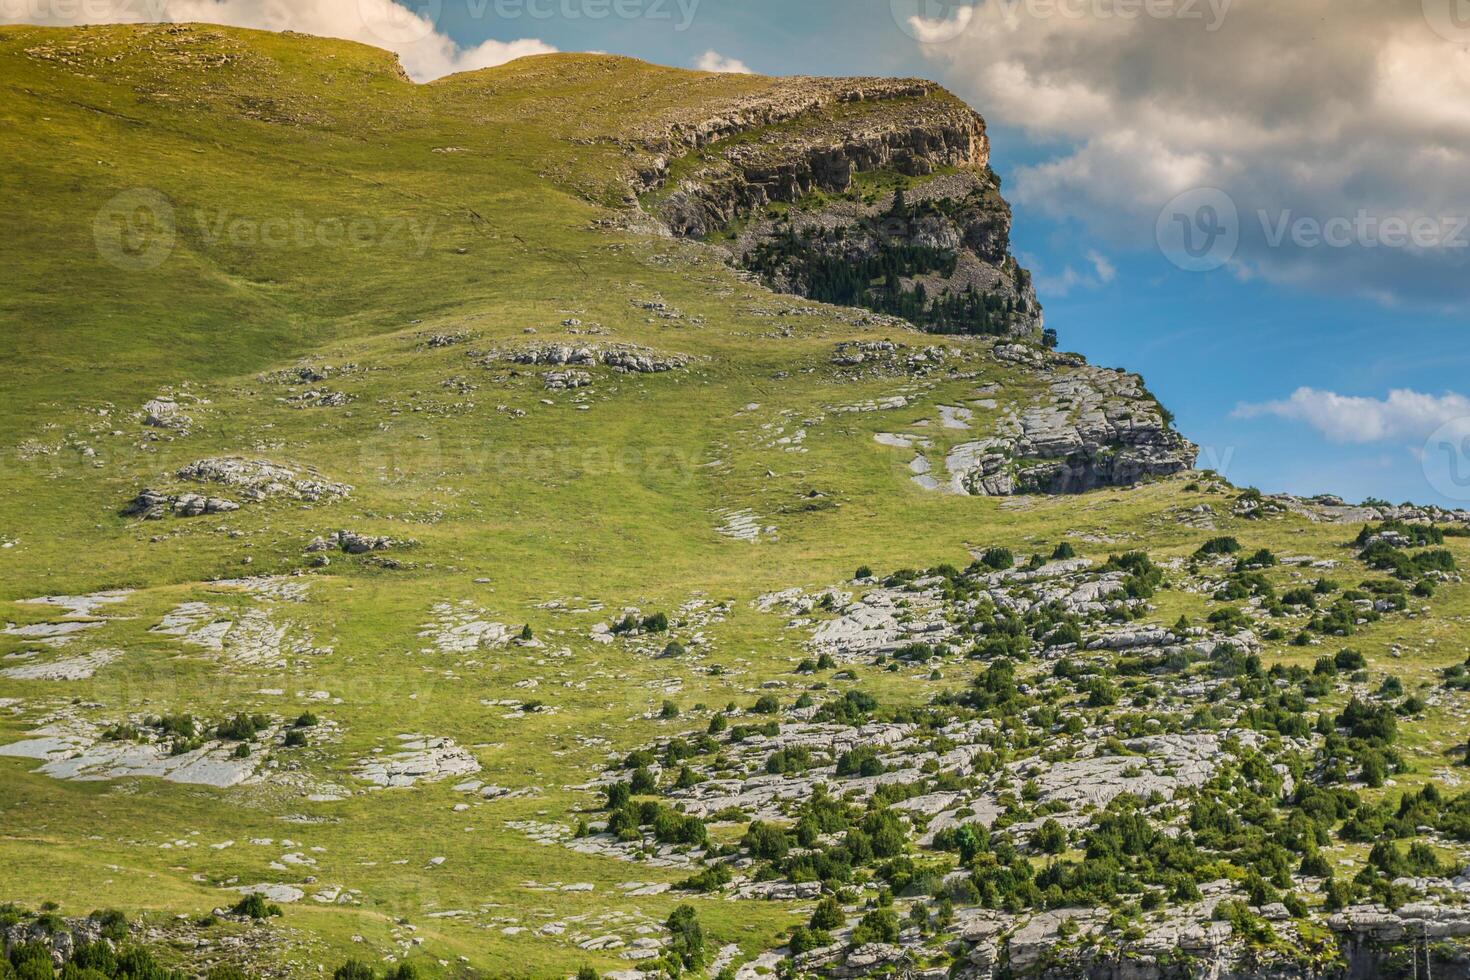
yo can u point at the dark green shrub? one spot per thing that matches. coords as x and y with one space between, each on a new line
878 926
860 761
1224 545
998 559
643 783
114 924
242 727
686 940
353 970
1050 837
827 915
254 906
765 840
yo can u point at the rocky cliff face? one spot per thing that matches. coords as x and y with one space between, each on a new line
862 192
804 134
1087 427
1097 428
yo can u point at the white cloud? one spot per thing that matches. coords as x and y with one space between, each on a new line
413 35
1062 284
1316 107
1100 265
712 60
1404 414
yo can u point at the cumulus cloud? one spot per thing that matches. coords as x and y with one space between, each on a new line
1404 414
712 60
412 34
1310 110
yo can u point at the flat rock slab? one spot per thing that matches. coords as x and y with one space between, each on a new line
421 760
75 753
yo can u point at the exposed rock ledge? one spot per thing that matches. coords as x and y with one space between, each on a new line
1095 427
706 168
750 176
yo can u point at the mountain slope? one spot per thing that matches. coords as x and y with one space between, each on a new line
432 444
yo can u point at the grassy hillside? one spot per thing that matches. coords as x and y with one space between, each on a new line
296 202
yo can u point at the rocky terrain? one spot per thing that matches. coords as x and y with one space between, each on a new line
1127 754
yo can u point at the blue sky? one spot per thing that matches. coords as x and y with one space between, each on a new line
1243 128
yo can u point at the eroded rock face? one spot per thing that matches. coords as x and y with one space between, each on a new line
1095 427
805 140
566 380
1328 509
919 128
885 357
948 235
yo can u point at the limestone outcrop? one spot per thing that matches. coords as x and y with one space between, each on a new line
723 176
